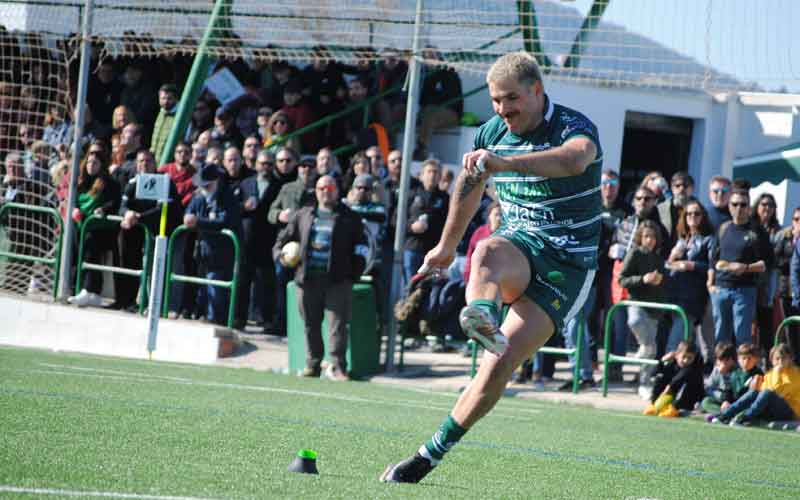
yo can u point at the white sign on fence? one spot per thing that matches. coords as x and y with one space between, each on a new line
153 187
225 87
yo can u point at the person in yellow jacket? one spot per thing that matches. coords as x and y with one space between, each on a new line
775 396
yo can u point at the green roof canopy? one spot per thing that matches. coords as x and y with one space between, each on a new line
772 166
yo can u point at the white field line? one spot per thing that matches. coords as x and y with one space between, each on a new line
56 369
84 494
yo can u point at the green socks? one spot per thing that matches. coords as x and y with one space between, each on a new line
489 306
449 433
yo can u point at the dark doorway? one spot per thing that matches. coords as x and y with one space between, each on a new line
653 142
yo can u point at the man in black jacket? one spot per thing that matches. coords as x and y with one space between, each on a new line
257 192
426 217
741 252
131 239
332 250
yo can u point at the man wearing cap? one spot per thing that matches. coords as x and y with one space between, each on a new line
212 209
332 249
168 102
225 131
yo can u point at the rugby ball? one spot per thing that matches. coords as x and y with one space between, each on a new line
290 254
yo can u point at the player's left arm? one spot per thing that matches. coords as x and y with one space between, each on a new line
566 160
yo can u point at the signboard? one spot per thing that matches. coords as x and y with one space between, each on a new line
225 87
153 187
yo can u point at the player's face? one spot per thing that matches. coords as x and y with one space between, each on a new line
520 106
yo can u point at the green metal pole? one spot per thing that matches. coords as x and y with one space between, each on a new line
790 320
146 259
79 266
576 371
530 32
168 269
220 20
607 345
589 24
234 285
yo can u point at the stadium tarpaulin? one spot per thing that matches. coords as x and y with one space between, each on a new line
772 166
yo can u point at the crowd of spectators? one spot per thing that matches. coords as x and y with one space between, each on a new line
262 175
238 166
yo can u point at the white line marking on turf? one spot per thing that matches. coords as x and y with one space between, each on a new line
56 369
102 494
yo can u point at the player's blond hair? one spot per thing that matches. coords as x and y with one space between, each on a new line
518 66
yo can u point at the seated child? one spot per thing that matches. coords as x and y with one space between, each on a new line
719 387
774 396
678 382
749 357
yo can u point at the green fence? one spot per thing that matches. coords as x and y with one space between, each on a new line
231 285
52 262
614 358
90 266
790 320
575 351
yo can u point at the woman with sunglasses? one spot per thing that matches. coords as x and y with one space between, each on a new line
688 266
278 127
763 210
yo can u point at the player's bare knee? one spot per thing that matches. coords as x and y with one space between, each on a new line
490 256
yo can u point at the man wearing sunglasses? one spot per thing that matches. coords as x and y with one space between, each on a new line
719 192
332 253
740 252
682 187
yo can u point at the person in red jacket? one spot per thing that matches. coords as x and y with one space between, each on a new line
181 172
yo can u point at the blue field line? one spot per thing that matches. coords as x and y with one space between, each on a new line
603 460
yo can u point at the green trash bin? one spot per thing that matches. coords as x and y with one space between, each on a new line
363 341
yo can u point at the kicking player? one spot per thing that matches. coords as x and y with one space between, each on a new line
546 162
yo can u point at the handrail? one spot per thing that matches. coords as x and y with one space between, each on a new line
400 124
613 358
139 273
576 351
789 320
232 285
55 261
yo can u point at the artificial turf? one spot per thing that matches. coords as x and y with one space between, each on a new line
73 423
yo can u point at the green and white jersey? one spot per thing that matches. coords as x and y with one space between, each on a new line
560 216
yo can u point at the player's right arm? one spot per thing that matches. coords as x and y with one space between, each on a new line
464 203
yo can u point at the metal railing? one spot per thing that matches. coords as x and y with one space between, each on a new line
614 358
231 285
576 351
53 262
137 273
789 320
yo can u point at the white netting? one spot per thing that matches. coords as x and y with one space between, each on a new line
34 89
682 44
691 44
